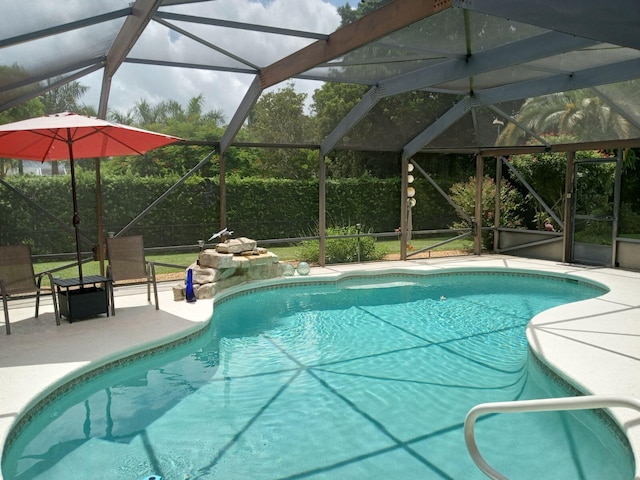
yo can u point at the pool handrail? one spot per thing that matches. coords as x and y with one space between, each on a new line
588 402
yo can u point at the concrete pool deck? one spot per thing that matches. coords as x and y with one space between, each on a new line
594 344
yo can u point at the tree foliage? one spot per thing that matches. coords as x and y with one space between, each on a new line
189 122
581 114
66 99
511 201
27 109
343 250
279 118
546 173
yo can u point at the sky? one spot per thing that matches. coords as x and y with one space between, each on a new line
221 90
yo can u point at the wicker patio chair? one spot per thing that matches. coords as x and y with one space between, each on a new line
127 262
17 278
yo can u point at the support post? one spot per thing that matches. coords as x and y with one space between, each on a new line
617 190
101 246
496 213
567 237
322 210
404 224
477 249
102 113
223 191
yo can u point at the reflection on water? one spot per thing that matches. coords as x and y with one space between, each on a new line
361 379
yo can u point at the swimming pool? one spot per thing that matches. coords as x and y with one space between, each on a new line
361 378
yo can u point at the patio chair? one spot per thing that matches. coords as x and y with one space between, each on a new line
127 262
17 278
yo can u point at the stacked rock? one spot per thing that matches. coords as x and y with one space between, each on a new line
230 263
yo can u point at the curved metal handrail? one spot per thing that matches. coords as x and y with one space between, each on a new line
547 404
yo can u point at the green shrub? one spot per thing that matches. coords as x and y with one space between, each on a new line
342 250
256 208
464 195
629 220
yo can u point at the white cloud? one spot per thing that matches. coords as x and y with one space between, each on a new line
20 17
221 90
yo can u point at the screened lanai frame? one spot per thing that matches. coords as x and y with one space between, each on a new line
478 57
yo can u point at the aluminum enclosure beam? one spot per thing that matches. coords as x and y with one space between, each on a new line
590 77
442 193
197 66
560 83
239 26
387 19
518 124
523 51
531 190
541 46
368 101
631 118
249 100
58 83
67 27
170 3
134 25
207 44
445 121
91 64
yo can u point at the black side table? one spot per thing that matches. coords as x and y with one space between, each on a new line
82 298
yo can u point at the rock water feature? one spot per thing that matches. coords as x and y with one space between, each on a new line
230 263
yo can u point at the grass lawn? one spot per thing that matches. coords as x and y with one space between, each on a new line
287 253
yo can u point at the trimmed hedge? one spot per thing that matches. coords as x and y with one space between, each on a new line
256 207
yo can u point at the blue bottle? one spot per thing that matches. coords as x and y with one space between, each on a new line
190 294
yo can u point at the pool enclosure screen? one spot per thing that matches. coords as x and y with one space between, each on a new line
477 77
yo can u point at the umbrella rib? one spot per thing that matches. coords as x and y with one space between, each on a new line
105 132
52 135
55 135
26 139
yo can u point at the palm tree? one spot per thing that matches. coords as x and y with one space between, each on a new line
581 114
122 118
144 113
63 99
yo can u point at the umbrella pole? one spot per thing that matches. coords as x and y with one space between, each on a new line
76 217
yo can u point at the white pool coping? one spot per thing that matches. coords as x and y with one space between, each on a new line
594 344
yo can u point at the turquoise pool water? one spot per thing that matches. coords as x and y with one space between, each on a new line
365 378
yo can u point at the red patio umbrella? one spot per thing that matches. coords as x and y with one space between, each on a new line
69 136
